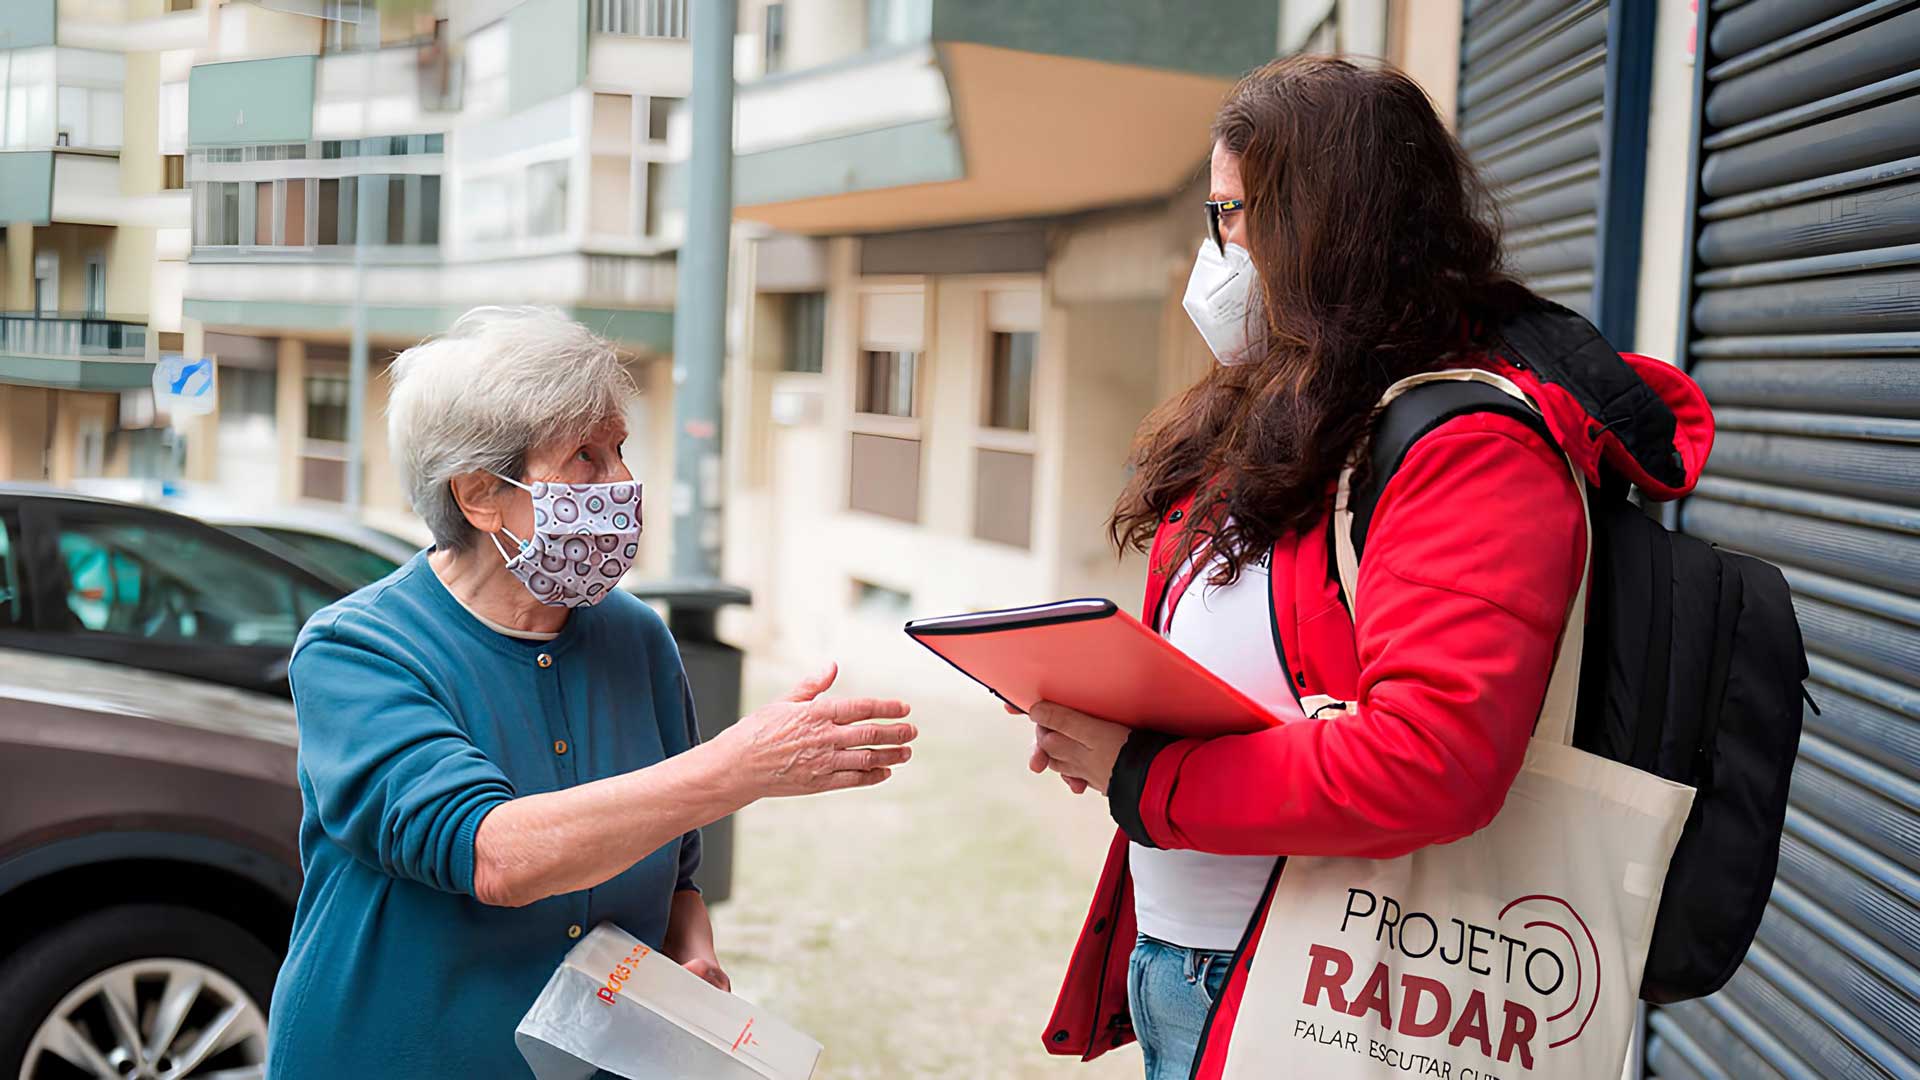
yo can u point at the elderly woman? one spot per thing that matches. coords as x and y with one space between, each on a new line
497 745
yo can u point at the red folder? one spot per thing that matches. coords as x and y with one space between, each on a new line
1091 656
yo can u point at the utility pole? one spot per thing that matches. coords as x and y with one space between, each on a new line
357 350
700 308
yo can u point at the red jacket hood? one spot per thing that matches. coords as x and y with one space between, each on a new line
1617 415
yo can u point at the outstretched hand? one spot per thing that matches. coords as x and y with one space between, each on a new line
803 743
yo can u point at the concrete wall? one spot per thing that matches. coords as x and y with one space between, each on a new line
25 424
1111 378
290 412
78 416
19 276
1423 40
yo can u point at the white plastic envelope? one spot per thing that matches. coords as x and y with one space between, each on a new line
618 1005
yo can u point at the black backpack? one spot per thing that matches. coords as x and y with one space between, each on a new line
1693 666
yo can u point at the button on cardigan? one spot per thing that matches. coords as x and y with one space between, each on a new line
415 721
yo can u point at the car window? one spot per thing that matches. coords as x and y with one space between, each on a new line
344 560
12 599
159 581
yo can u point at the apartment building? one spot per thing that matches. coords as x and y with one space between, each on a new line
480 152
95 209
967 228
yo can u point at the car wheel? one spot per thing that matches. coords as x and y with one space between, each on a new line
145 992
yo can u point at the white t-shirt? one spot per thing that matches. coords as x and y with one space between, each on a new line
1192 898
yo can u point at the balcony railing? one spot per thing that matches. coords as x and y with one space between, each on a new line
64 335
641 18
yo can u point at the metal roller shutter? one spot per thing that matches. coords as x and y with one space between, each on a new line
1553 110
1805 333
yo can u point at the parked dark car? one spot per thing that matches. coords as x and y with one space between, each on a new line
331 543
149 867
106 580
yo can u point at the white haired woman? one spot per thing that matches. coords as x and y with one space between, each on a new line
497 745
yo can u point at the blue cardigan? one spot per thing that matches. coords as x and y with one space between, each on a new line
415 721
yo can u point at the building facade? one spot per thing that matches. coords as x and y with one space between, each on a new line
234 180
966 230
410 161
95 209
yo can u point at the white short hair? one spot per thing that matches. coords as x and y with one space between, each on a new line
501 382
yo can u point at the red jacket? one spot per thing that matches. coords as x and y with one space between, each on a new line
1472 557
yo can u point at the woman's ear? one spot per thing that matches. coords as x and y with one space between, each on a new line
478 494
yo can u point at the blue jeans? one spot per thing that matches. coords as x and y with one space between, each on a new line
1171 990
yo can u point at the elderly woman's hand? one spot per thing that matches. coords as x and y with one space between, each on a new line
804 744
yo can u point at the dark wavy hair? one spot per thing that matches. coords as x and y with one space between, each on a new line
1378 255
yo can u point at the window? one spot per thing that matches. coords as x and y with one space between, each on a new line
396 208
71 126
88 117
343 28
173 171
293 209
488 209
547 198
886 383
262 212
897 22
806 332
659 109
656 198
1003 503
246 393
96 285
225 224
165 582
486 69
173 117
29 99
1010 381
333 216
46 282
327 408
872 599
13 611
349 562
776 37
429 209
884 476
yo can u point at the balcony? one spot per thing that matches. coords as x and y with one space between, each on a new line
411 294
641 18
986 109
74 352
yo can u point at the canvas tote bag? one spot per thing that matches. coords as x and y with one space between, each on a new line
1513 952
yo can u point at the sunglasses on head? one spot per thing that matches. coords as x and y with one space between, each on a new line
1215 208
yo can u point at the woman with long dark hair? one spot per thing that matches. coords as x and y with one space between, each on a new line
1349 245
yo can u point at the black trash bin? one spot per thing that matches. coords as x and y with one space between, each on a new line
713 672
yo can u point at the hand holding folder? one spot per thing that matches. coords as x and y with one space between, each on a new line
1090 656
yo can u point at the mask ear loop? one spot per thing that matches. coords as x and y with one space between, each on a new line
508 559
495 537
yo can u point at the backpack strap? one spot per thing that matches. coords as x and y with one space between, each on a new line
1431 399
1410 417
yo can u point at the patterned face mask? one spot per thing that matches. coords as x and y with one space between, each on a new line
585 538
